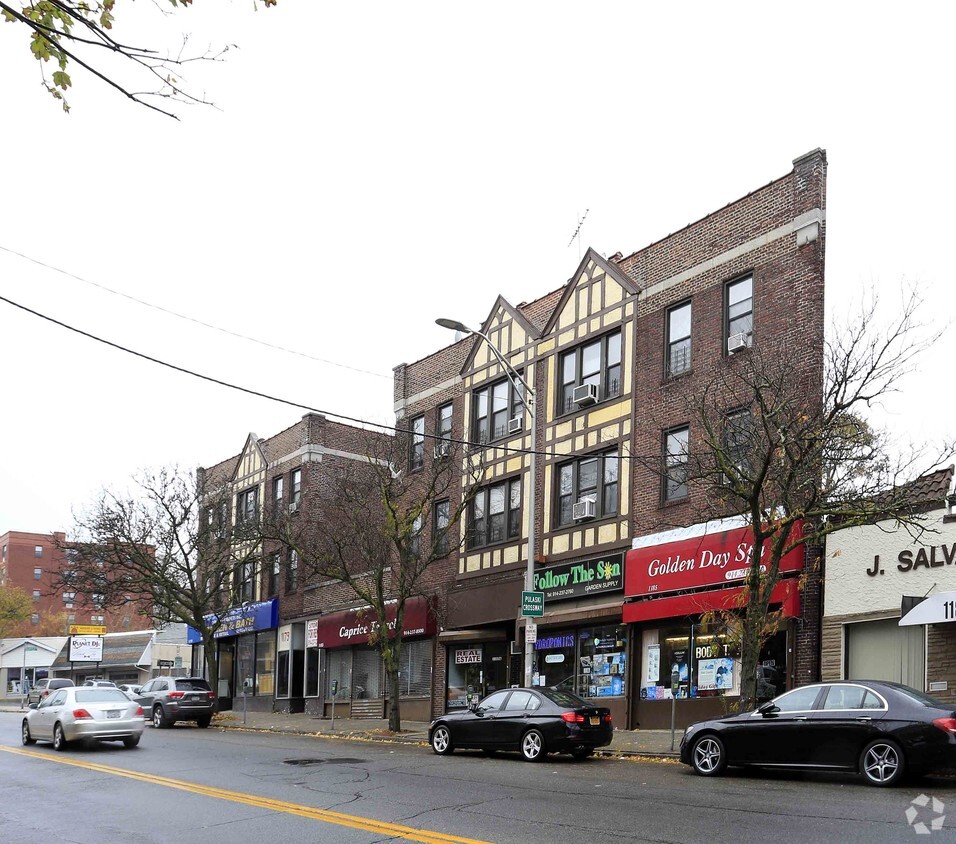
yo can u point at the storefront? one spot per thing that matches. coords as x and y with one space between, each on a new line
581 641
890 604
246 647
671 580
31 658
336 660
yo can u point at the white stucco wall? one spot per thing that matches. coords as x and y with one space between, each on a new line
906 566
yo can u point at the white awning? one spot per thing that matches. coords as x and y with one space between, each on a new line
936 609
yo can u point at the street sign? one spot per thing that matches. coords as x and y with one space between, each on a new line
532 603
87 630
165 663
531 632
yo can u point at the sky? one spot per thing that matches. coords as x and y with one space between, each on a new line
371 167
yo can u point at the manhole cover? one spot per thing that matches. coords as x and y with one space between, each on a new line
339 760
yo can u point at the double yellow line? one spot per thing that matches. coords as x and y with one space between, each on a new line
325 815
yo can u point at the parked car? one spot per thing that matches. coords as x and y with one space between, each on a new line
105 684
46 685
535 722
83 713
881 730
131 689
172 699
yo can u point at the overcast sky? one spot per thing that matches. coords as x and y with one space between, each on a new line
374 166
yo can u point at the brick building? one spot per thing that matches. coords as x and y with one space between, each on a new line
34 562
611 356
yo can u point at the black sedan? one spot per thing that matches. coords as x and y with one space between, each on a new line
881 730
533 721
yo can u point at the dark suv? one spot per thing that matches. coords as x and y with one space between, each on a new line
166 700
45 686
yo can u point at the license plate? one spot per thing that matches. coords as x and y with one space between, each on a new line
113 713
595 721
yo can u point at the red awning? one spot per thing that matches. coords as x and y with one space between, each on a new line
786 593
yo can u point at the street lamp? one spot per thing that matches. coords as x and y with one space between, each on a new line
527 399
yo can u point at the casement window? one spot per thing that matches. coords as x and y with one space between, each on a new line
278 493
676 451
739 308
247 505
597 363
494 514
443 430
678 339
440 528
416 446
737 438
292 571
595 478
494 407
37 574
295 493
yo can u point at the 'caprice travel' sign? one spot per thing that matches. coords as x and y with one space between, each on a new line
589 577
707 560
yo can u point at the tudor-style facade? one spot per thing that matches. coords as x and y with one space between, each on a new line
608 356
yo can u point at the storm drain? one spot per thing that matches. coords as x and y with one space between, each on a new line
337 760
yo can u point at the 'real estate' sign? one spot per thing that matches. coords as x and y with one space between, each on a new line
708 559
575 580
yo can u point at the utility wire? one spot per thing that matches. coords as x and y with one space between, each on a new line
189 318
288 402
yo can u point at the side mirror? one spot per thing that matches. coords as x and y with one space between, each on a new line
769 708
34 706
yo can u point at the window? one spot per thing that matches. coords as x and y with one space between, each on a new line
415 668
292 571
3 558
245 575
738 431
36 595
440 528
71 618
595 478
495 514
37 574
678 339
69 597
35 618
37 550
274 569
443 429
739 307
597 363
278 485
494 406
494 702
415 539
296 492
416 445
799 700
97 598
520 701
247 505
851 697
676 443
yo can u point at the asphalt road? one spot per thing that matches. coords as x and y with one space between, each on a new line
213 786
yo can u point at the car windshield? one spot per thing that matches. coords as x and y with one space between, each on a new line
100 696
192 685
562 698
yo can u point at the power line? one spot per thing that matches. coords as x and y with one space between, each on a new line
290 403
188 318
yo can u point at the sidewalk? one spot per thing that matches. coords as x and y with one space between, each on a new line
635 743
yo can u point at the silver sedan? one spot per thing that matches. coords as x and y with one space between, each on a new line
84 713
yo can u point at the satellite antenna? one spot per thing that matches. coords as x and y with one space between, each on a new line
577 232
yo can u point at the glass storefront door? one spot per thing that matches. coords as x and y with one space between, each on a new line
475 671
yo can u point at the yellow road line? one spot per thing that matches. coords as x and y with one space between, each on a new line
326 815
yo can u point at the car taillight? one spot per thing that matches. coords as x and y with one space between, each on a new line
947 725
607 718
175 695
572 717
210 695
139 710
45 692
79 714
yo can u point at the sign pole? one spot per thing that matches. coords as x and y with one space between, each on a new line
23 677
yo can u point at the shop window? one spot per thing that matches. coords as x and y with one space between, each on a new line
594 478
494 407
312 672
246 664
597 363
603 662
338 669
282 674
676 449
882 650
555 660
366 674
678 339
415 672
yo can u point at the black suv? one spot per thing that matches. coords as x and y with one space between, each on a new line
166 700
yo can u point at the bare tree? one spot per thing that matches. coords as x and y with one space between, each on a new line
169 548
383 528
81 32
796 451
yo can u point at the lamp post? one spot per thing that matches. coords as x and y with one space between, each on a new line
527 399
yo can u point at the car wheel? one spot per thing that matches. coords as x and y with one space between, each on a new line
204 722
59 740
25 736
159 720
532 746
582 753
130 741
441 740
882 762
708 756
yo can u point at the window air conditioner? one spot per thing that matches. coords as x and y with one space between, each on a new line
442 448
294 507
583 509
736 342
515 424
585 394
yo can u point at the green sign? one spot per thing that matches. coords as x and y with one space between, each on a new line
532 603
576 580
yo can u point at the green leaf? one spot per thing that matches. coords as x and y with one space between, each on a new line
62 80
